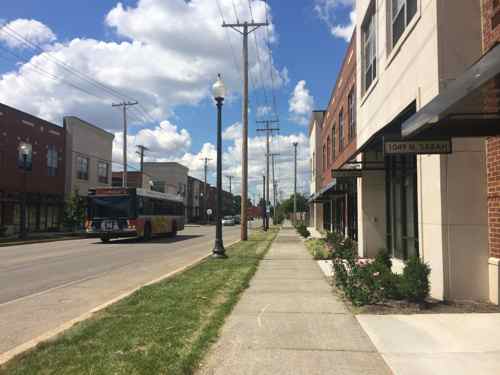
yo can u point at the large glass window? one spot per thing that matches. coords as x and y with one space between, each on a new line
52 160
351 103
341 130
401 195
103 172
402 12
82 168
369 47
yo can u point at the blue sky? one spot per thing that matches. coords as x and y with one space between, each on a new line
166 53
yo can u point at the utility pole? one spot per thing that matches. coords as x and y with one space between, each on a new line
248 27
275 185
268 131
295 144
206 160
264 213
124 105
230 183
142 150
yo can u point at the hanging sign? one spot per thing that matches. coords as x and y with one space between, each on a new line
345 173
418 147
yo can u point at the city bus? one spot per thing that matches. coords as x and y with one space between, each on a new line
133 212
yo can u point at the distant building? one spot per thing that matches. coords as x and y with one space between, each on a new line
134 180
43 182
194 199
88 157
169 177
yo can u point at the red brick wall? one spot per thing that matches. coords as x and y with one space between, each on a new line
491 36
493 169
346 81
491 23
16 127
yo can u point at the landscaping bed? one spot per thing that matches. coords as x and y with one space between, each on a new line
368 286
165 328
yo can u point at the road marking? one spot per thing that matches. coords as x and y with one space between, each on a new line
259 321
8 355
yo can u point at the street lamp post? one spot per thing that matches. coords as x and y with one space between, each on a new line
219 91
25 152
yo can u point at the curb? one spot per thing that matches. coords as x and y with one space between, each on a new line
8 355
41 240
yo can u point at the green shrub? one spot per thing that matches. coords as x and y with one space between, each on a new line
318 249
415 285
334 239
383 257
302 230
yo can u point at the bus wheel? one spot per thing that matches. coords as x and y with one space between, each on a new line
105 239
147 232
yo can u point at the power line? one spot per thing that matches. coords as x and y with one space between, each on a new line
68 68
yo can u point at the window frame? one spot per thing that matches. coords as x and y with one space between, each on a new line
407 22
369 35
334 141
351 109
341 129
80 174
52 160
328 148
100 178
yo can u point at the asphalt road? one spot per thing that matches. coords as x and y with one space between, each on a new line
45 285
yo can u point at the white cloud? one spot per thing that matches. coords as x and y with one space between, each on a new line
168 54
301 103
165 142
32 31
232 132
345 31
327 11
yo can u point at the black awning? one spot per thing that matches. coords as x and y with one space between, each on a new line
468 107
315 197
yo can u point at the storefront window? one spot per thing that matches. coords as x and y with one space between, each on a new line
401 195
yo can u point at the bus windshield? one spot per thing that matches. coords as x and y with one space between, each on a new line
110 207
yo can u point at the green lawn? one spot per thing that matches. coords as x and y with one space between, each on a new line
164 328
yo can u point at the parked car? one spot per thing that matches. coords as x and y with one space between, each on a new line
228 220
237 219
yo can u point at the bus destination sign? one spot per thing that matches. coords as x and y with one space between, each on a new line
418 147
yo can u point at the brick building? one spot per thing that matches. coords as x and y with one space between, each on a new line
43 182
335 146
491 39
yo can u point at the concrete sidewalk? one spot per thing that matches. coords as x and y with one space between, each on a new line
289 322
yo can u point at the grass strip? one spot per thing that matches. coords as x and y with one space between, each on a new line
165 328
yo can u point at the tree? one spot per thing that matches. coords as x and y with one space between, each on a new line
74 211
237 204
287 205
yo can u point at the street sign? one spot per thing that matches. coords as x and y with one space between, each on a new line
418 147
